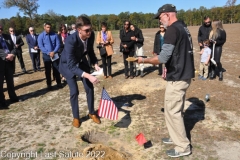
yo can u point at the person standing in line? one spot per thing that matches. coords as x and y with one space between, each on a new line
73 29
49 44
138 47
127 48
218 37
105 39
62 34
158 42
204 62
7 55
74 63
177 54
204 30
34 50
18 43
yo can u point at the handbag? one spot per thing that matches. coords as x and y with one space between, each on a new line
103 51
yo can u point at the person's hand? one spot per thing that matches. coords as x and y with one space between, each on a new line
133 38
200 44
154 54
16 45
97 67
206 63
91 78
140 60
10 57
35 48
136 39
125 46
51 54
106 42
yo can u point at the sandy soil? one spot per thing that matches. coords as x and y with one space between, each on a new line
41 124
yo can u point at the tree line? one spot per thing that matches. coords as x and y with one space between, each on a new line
230 13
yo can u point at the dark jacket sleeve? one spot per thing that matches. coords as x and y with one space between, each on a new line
200 35
123 37
2 54
140 38
20 41
222 38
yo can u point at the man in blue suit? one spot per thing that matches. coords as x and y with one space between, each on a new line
74 63
34 50
49 44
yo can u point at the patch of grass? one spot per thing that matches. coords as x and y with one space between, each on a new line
40 150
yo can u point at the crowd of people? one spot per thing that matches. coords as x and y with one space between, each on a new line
70 55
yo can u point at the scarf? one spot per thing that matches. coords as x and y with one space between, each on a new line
104 36
64 36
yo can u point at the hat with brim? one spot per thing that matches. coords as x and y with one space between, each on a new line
165 8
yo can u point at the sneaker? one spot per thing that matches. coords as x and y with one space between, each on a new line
167 140
200 77
173 153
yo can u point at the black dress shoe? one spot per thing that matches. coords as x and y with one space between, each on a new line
3 105
16 100
24 70
59 85
49 87
39 70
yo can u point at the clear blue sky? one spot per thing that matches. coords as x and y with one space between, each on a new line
89 7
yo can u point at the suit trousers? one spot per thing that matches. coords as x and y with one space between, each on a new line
107 66
74 92
6 70
20 59
126 69
173 109
48 67
35 57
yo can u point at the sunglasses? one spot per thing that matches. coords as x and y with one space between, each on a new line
87 30
11 31
126 24
31 30
161 27
63 29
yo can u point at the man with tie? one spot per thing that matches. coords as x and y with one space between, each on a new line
18 43
34 50
7 55
49 44
74 63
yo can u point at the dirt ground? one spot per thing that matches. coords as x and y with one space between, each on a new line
40 126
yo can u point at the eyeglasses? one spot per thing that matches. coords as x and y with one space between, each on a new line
161 16
126 24
12 31
63 29
87 30
31 30
161 27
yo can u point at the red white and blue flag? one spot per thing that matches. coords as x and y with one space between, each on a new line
107 108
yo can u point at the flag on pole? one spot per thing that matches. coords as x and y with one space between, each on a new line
107 108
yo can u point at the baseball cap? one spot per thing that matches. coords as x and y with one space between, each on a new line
165 8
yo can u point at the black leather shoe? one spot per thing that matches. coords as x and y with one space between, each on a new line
49 87
59 85
16 100
24 70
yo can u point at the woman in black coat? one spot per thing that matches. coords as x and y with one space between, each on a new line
218 37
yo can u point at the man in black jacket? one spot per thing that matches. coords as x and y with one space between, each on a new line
204 30
127 47
18 43
7 55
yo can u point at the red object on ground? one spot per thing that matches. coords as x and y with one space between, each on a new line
141 139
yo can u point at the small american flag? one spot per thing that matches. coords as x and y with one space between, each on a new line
107 107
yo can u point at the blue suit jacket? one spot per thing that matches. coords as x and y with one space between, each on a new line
73 59
31 42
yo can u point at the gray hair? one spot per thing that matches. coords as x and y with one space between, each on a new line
31 28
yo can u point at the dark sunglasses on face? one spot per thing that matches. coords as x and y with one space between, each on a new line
161 27
31 30
87 30
11 31
63 29
126 24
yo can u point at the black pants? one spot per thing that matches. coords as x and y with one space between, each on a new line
35 57
6 70
107 66
20 59
126 69
48 67
217 58
74 92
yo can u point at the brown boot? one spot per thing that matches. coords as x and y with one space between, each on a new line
76 123
94 118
